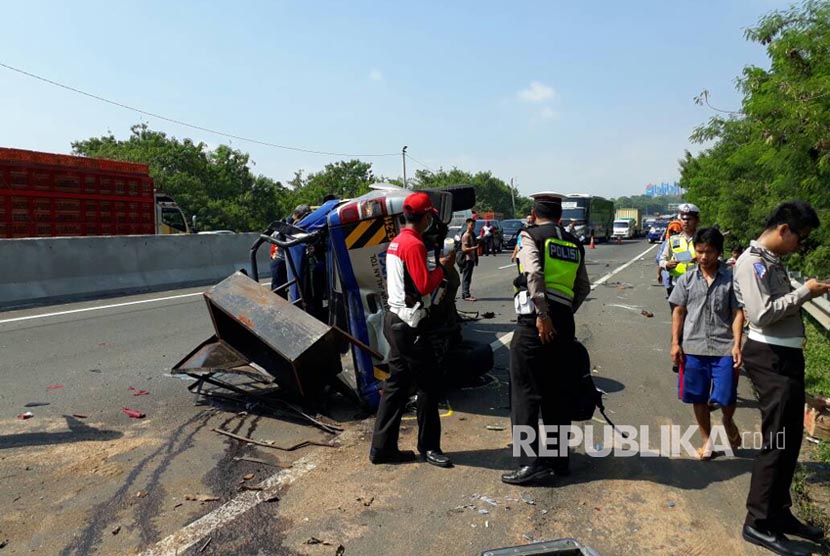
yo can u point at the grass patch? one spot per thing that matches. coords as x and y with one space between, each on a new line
806 508
817 359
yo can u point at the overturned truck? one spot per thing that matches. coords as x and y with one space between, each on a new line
327 331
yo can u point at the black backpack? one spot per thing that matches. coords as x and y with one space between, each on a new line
582 394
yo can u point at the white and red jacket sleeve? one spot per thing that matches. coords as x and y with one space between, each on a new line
408 255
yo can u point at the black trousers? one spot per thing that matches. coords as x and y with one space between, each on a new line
537 378
412 361
778 375
467 278
279 276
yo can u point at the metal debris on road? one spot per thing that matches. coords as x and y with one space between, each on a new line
488 500
486 524
36 404
27 415
272 444
483 511
527 499
132 413
495 428
138 392
366 501
204 546
201 498
647 314
54 386
340 550
79 416
116 530
813 440
670 504
528 537
141 494
315 540
95 370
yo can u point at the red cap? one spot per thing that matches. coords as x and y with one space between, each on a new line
418 203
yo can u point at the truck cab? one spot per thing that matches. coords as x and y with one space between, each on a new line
625 228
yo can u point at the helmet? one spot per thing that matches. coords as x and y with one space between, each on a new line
686 208
674 226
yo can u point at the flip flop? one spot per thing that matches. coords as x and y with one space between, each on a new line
705 453
734 439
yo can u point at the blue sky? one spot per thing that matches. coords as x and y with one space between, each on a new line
571 96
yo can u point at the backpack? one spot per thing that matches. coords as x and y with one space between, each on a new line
583 397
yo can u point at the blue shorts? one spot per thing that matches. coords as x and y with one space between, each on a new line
705 378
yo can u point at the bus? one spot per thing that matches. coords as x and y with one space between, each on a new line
592 216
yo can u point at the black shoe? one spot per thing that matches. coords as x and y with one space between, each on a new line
526 474
378 456
562 470
792 526
772 541
437 458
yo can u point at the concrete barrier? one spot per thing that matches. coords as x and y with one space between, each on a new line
40 270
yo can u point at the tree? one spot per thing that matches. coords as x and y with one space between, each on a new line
218 186
492 194
777 147
343 179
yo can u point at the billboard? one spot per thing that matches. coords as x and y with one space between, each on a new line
663 189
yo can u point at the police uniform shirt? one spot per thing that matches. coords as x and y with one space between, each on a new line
772 304
667 254
530 260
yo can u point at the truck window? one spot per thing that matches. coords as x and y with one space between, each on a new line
174 218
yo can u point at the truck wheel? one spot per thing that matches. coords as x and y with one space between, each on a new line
467 361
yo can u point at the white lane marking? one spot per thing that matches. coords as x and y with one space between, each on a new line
98 308
114 305
193 533
620 269
511 265
504 341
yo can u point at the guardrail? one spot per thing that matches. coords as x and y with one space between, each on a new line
818 308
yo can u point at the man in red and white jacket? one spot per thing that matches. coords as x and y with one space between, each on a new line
411 358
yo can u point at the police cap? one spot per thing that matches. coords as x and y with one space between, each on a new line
547 197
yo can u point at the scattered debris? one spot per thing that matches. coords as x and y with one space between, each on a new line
141 494
36 404
272 498
528 537
315 540
248 476
647 314
3 543
366 501
488 500
486 524
670 504
95 370
271 444
54 386
178 504
811 439
138 392
201 498
527 499
489 315
27 415
495 428
79 416
340 550
205 545
483 511
544 512
132 413
116 530
246 487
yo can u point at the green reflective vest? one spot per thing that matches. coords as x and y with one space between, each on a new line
560 263
679 244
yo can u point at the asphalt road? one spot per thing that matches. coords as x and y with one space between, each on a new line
100 482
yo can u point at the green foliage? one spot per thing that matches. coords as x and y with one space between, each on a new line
778 147
217 186
342 179
647 204
817 360
492 193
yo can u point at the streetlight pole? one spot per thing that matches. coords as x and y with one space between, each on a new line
403 156
513 197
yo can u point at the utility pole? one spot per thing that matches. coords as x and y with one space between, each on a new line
403 156
513 197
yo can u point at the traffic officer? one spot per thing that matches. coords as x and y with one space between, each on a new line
551 285
774 361
411 356
678 256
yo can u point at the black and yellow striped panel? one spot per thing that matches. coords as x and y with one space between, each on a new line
371 232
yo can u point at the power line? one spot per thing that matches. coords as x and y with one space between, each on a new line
410 157
185 124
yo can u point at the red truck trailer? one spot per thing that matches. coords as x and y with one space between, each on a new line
45 195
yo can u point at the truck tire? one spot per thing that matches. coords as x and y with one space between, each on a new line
467 361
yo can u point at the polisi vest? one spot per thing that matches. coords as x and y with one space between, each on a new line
679 244
560 263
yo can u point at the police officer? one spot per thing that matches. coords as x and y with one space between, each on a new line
552 284
774 361
411 356
678 255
